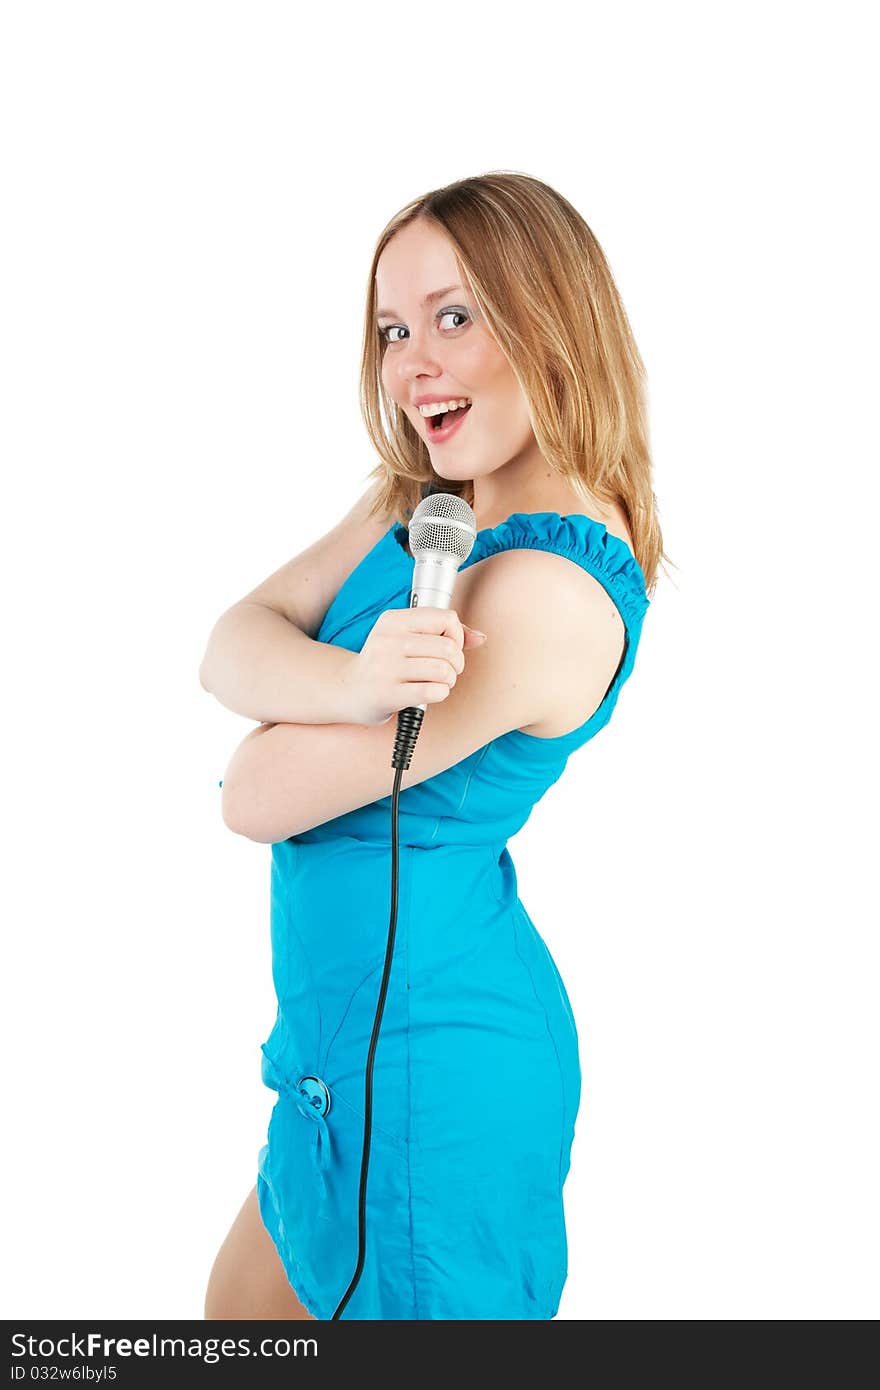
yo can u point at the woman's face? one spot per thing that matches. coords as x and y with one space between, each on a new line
441 348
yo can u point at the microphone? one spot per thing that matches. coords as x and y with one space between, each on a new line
442 532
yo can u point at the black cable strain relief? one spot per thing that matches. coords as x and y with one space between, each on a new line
409 722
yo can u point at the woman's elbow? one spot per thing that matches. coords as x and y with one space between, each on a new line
231 810
242 817
238 815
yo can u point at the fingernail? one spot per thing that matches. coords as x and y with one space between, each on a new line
477 633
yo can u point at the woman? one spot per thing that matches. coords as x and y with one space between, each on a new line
490 297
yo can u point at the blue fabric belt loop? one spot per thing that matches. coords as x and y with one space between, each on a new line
321 1148
320 1155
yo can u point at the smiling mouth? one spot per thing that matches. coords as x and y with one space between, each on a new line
447 417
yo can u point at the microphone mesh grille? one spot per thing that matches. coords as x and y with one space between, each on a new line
444 522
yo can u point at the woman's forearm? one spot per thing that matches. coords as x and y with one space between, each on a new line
260 665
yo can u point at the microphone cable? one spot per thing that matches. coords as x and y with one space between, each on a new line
441 535
409 722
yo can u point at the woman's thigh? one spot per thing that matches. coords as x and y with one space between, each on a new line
247 1279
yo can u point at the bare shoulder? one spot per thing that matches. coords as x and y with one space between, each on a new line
569 632
305 586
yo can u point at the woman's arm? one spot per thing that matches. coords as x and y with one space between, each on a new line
259 664
261 659
553 649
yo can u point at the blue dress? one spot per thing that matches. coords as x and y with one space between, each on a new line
476 1075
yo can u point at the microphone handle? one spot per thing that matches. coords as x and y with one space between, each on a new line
427 575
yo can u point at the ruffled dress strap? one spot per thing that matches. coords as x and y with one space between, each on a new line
586 541
608 558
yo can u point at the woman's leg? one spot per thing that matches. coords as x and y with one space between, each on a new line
248 1279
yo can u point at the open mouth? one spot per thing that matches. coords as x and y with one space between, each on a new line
446 419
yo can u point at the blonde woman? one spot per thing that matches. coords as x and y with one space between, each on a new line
492 298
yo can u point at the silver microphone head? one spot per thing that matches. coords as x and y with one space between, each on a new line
442 522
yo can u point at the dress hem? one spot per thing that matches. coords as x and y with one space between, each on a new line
296 1281
304 1292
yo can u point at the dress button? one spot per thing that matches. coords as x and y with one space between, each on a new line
315 1092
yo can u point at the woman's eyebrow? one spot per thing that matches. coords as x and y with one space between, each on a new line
435 294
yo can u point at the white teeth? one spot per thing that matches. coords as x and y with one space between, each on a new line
440 407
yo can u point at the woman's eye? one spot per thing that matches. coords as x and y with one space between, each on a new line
444 313
455 313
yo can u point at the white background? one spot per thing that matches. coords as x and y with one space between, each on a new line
192 193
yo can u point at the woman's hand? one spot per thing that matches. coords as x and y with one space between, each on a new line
412 656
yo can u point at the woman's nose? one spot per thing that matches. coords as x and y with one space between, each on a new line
415 357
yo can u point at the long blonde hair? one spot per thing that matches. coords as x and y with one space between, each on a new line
542 283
